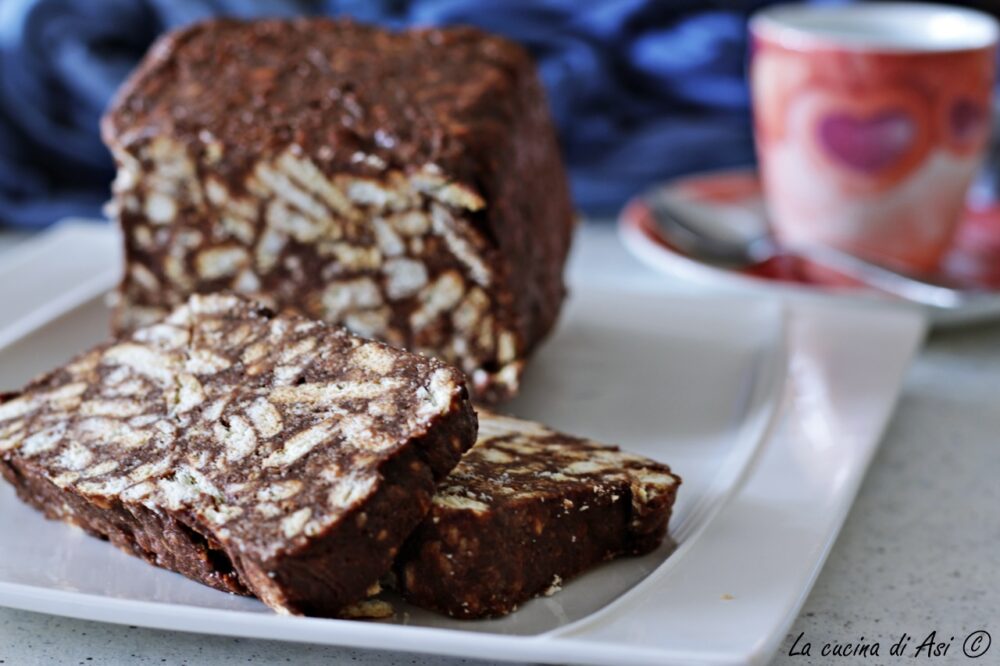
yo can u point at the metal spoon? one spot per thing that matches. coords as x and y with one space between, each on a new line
739 239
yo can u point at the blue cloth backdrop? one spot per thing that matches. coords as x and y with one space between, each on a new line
642 89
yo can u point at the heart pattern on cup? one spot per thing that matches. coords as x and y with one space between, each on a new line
868 144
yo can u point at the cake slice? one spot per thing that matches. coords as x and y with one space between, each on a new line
407 185
259 454
525 510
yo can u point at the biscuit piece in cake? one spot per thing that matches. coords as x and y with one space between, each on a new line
527 509
259 454
407 185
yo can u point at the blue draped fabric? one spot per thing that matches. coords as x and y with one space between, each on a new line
641 89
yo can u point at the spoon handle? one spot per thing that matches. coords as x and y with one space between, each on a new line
888 280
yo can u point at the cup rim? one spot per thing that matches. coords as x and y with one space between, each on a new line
789 26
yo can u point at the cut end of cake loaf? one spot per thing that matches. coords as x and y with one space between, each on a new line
527 509
406 185
256 453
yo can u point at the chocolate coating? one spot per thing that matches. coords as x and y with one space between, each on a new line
449 124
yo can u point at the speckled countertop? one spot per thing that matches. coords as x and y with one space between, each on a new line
920 551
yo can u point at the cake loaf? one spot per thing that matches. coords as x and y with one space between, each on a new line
255 453
525 510
406 185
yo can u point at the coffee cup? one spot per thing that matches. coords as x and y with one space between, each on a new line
870 122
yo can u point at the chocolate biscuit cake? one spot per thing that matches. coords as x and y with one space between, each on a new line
255 453
407 185
525 510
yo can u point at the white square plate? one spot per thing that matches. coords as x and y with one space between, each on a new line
770 413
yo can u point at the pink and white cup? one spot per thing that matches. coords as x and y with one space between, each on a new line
871 121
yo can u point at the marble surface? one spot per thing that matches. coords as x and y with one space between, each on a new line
918 553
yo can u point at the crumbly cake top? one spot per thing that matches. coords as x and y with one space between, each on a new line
269 428
352 97
515 460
